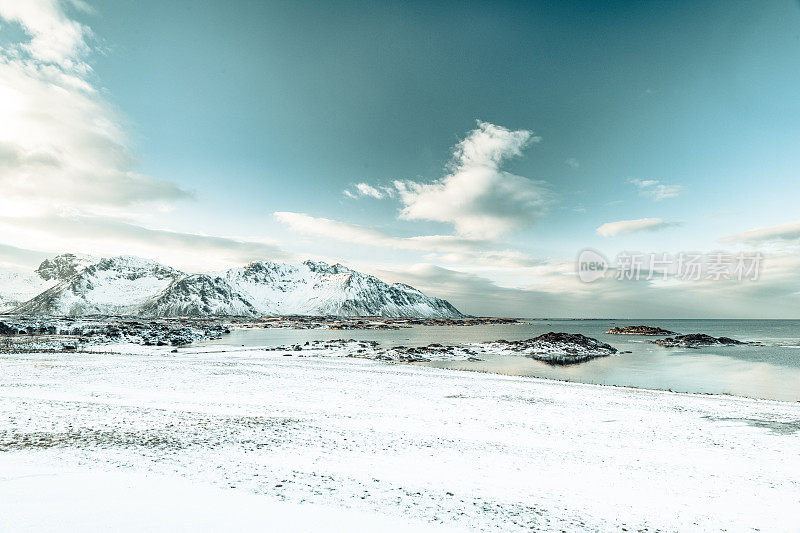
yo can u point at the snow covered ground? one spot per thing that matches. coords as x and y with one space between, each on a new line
146 439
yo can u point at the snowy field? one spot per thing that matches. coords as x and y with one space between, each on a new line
151 440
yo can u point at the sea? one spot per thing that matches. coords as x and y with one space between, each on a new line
769 371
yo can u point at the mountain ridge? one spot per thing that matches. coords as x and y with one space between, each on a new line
127 285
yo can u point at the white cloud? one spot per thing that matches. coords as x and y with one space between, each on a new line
445 248
782 232
369 190
491 258
62 146
105 236
54 37
477 197
656 190
342 231
365 189
572 162
21 258
625 227
555 290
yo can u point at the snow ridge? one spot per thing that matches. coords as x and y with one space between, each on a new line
128 285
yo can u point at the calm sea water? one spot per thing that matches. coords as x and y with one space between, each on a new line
770 371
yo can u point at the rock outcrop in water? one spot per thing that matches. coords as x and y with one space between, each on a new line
552 348
696 340
639 330
373 350
555 348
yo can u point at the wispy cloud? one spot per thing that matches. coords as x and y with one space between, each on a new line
572 162
625 227
446 248
104 236
54 38
656 190
62 145
510 259
365 189
21 258
555 290
782 232
343 231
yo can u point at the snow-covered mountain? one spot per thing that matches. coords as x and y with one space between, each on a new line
18 286
133 286
115 286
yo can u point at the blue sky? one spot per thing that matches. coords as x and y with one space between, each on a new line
205 134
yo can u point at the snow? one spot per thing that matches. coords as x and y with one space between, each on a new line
224 439
17 286
126 501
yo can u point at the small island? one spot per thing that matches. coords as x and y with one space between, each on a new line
554 348
639 330
696 340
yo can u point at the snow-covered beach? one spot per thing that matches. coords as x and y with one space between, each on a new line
251 439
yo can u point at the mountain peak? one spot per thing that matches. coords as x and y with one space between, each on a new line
132 263
322 267
63 266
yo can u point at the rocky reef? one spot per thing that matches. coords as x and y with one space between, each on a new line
639 330
552 348
696 340
373 350
555 348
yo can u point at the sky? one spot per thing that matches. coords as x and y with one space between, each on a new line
471 150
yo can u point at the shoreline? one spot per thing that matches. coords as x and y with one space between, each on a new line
776 374
221 327
266 348
492 451
192 350
611 385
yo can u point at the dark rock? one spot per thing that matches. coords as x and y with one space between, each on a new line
639 330
557 348
696 340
